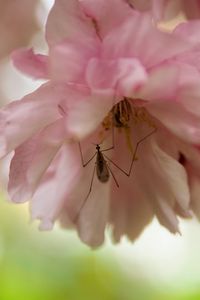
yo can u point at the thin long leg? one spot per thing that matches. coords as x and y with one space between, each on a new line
134 155
84 201
85 164
117 184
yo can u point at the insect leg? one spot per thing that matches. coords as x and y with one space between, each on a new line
84 201
133 157
85 164
117 184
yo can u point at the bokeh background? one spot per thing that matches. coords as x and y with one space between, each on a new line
56 265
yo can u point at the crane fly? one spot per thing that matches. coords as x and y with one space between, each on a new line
102 167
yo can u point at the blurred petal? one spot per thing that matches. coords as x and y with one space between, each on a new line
34 65
68 63
150 51
67 20
86 113
104 15
54 190
94 215
123 75
160 85
178 120
31 160
21 119
195 195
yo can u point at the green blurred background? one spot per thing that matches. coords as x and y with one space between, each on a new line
55 265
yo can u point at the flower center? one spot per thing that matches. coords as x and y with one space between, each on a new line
124 115
123 112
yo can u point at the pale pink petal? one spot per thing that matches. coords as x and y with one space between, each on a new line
152 166
191 63
189 31
178 120
191 156
150 51
130 212
57 184
123 75
68 63
186 214
33 65
31 160
106 14
86 112
67 20
161 85
89 210
165 9
174 176
94 215
195 195
189 98
166 215
21 119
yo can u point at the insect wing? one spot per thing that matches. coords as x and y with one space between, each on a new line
102 169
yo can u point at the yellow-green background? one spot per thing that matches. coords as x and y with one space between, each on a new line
55 265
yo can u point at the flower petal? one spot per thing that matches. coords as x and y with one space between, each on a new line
153 167
57 184
68 63
123 75
177 119
21 119
160 85
94 215
67 20
104 15
31 160
86 112
174 176
195 192
189 31
150 51
33 65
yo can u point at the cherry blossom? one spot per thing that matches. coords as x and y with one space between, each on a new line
112 78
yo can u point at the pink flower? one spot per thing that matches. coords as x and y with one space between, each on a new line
100 57
17 24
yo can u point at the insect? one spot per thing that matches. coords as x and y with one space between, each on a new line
102 168
102 165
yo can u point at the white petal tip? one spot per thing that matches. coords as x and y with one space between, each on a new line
46 225
18 196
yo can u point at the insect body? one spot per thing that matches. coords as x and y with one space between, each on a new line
101 166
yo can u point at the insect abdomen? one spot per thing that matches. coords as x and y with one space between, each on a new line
102 169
